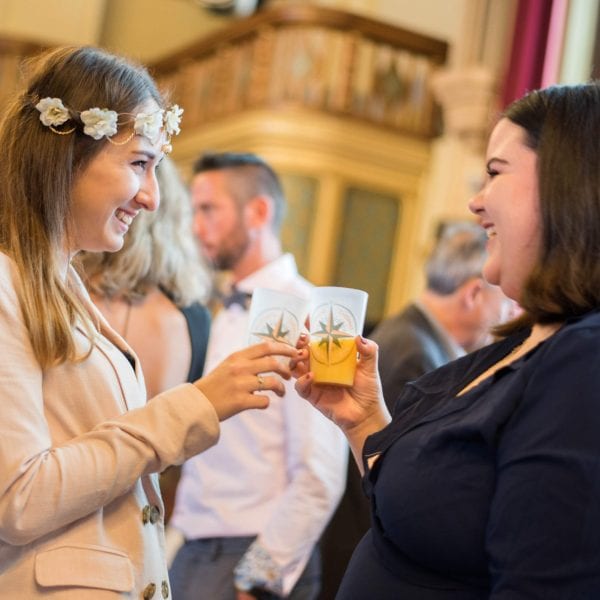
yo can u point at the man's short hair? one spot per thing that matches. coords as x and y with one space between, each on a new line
250 176
458 255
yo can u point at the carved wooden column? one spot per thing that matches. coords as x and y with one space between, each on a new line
468 98
467 92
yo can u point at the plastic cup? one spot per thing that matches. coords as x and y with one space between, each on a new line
276 315
337 316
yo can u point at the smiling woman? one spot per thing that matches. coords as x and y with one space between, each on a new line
110 191
485 484
508 208
80 448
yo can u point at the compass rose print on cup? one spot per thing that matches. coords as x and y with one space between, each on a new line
276 316
337 316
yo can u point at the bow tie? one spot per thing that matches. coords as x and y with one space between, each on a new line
236 297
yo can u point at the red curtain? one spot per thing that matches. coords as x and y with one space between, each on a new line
528 49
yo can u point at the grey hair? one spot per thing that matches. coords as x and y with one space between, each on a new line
458 256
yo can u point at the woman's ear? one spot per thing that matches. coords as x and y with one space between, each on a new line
471 292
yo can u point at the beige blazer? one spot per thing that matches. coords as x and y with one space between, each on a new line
80 508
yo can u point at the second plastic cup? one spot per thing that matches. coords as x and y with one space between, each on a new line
277 316
337 316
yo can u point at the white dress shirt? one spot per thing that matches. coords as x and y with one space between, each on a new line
278 473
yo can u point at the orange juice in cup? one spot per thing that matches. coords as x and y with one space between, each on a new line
336 318
333 362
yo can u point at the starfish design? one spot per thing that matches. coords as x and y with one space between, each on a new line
277 332
331 333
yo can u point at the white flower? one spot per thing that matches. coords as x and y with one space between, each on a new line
172 119
52 112
99 122
102 122
149 125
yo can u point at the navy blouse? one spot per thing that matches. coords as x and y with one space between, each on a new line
494 493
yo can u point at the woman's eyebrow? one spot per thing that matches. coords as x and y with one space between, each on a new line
495 159
148 153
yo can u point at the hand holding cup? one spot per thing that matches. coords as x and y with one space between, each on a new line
239 382
351 408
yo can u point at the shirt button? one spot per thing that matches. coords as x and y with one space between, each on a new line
146 514
149 591
164 588
154 514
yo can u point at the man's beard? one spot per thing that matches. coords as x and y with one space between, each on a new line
228 257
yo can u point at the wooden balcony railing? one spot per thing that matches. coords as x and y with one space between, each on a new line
300 55
12 54
309 56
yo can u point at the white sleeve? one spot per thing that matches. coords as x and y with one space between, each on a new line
317 455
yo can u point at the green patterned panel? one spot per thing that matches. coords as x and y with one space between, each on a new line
301 192
366 245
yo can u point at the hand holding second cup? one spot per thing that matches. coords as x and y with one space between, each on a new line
347 407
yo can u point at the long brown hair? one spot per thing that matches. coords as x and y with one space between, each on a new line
562 125
36 176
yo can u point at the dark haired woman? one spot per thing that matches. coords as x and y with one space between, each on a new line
487 483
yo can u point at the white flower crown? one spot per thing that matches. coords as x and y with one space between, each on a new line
102 122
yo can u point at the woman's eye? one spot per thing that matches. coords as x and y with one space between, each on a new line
491 173
141 164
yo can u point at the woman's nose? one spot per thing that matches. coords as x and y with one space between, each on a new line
148 196
475 205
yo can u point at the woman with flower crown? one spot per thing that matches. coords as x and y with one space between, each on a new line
80 447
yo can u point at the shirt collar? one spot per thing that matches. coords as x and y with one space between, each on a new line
283 267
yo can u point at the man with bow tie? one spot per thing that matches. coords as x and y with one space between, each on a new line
253 507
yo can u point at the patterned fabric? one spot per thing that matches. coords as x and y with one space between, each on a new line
258 570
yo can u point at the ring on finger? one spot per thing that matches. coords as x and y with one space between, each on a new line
261 382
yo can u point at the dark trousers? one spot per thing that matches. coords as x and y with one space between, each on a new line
203 570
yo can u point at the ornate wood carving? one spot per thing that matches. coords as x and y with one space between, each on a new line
312 57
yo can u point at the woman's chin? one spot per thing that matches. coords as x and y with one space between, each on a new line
115 247
112 245
491 274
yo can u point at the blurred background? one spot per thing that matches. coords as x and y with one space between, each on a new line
375 112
